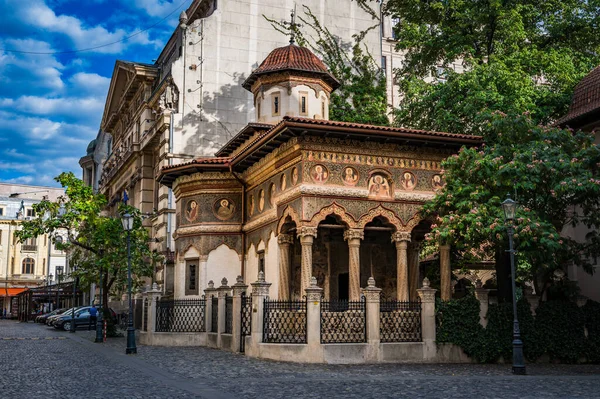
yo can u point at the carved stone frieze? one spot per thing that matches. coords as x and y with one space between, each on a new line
401 236
379 211
292 214
352 234
285 239
334 209
307 231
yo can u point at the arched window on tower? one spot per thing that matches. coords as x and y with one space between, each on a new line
28 266
57 240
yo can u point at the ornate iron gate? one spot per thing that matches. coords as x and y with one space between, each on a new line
246 320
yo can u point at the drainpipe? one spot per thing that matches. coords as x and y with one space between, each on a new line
243 183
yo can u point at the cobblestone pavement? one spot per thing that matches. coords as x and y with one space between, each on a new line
37 360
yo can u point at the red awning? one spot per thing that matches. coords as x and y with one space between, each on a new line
11 291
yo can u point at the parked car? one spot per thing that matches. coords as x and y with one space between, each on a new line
81 318
42 318
50 320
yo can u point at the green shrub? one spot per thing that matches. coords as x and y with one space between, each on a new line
560 328
591 313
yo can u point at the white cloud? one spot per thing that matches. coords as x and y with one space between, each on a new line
157 8
13 153
74 107
90 83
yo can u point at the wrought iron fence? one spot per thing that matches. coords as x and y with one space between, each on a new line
343 321
246 319
400 321
228 314
214 316
284 322
145 318
180 315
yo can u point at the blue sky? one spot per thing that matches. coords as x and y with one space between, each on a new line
51 104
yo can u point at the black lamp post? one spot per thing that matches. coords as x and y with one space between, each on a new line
510 207
74 288
99 325
127 220
49 281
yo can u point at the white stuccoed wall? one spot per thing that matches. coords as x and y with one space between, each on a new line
272 266
226 47
223 262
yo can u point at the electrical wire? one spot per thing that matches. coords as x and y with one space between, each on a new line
99 46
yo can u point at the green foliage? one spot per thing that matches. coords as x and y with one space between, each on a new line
560 325
552 172
458 323
96 242
517 56
362 95
591 311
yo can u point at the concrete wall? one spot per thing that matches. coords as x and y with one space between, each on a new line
223 262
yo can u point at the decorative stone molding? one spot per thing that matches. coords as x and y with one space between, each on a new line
371 292
209 228
239 287
289 211
426 293
412 223
401 236
313 292
284 239
334 209
265 218
354 234
307 231
379 211
260 287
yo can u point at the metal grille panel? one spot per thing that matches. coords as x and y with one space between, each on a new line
400 321
214 317
343 321
145 319
284 322
228 315
180 315
246 320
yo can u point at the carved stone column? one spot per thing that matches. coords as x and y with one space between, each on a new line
445 273
401 238
313 314
373 297
413 269
239 289
285 241
353 237
307 236
428 329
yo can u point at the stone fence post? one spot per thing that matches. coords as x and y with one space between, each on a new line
260 291
239 288
373 301
224 291
208 295
313 313
427 295
153 297
482 296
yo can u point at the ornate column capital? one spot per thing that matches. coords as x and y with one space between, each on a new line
285 239
353 234
306 231
401 236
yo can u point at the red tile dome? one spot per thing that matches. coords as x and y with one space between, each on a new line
292 58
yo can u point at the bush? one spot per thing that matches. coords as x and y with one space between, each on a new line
458 323
560 327
591 313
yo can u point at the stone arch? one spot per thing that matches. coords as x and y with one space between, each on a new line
333 209
380 211
185 248
288 212
414 221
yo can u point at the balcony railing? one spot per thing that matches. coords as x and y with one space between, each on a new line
29 248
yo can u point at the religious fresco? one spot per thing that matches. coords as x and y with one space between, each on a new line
261 200
223 208
319 174
192 211
380 187
272 191
409 181
251 205
294 176
283 182
350 176
437 182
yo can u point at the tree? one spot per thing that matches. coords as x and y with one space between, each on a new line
518 56
96 242
362 95
553 174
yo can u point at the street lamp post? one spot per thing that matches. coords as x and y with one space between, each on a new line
509 207
49 282
127 221
99 325
72 329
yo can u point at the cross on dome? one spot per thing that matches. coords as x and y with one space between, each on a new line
293 25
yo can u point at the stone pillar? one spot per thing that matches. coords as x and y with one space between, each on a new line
413 269
353 237
401 238
445 273
307 236
239 288
260 291
285 241
427 295
202 270
153 297
224 291
373 297
208 295
482 296
313 313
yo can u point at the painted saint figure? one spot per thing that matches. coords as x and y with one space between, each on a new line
191 213
251 206
261 200
283 183
272 194
319 174
225 209
437 182
379 187
350 176
409 181
294 176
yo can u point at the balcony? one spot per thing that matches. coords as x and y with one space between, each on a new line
29 248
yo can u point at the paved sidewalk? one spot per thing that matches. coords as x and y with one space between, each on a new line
52 367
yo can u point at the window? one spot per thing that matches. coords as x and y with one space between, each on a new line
28 266
303 103
384 64
29 241
1 211
57 240
30 212
276 104
191 278
395 22
323 109
261 261
44 266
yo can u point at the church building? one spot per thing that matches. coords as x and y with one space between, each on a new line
296 195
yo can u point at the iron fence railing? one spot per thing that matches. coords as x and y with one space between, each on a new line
400 321
214 316
228 315
180 315
284 322
145 318
246 320
343 321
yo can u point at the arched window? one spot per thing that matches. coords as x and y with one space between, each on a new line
28 265
57 240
